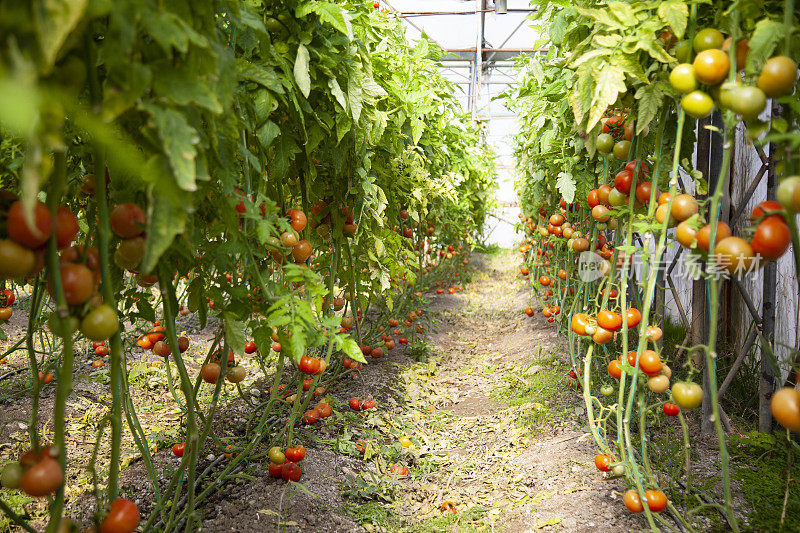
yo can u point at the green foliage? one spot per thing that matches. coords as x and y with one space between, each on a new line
767 470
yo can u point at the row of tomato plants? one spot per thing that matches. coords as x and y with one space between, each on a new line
633 75
292 174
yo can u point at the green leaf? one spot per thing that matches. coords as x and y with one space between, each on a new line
302 74
55 20
262 75
234 333
267 133
676 14
182 85
566 186
166 217
178 142
650 98
336 91
332 14
623 12
350 348
609 83
763 41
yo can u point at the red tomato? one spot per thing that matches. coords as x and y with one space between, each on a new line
30 237
609 320
771 238
296 453
127 220
123 517
761 209
670 409
355 404
633 502
656 500
178 449
623 181
250 347
308 365
275 470
66 227
602 462
290 471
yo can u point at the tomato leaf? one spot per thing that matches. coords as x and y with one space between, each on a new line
609 83
350 347
234 333
178 141
766 36
650 99
676 14
330 13
566 186
302 74
55 20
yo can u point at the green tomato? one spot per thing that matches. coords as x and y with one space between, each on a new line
605 143
682 78
683 51
616 198
708 38
100 323
68 325
786 192
618 469
748 101
607 390
12 475
697 104
687 395
276 455
621 149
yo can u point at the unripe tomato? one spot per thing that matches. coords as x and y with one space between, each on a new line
621 149
747 101
687 395
785 193
658 384
100 323
682 78
605 143
708 38
697 104
15 260
276 455
607 390
785 406
685 234
12 475
711 66
684 206
778 76
236 374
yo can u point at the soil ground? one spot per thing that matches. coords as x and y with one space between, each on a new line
488 425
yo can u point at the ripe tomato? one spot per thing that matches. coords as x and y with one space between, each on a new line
771 238
682 78
643 192
614 126
633 317
302 251
602 193
100 323
656 500
127 220
687 395
66 227
295 454
311 416
289 239
8 297
602 335
324 409
210 372
297 219
593 198
684 206
633 502
376 353
43 478
123 517
579 321
623 181
290 471
615 369
650 362
734 253
30 237
308 365
178 449
600 213
5 313
685 234
183 344
250 347
609 320
77 281
275 470
704 235
670 409
778 76
101 351
355 404
602 462
368 404
785 405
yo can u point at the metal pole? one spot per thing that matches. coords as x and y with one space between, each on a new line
476 95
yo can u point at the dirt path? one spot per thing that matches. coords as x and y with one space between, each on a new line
517 457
